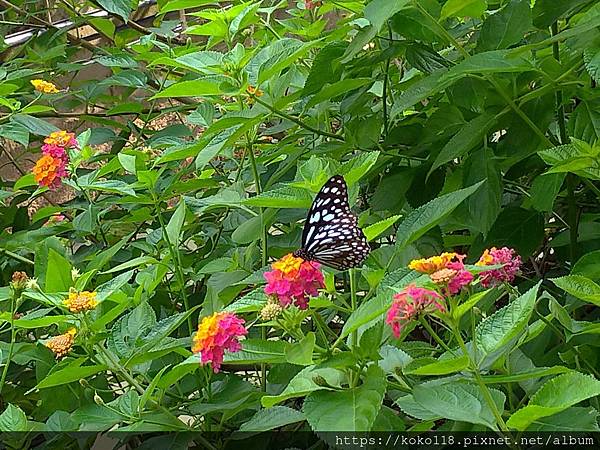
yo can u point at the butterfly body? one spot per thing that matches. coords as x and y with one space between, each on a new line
331 234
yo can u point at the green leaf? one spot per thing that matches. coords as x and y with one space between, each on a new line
301 353
584 122
538 372
24 181
579 286
92 417
543 191
286 52
336 89
470 135
115 186
358 167
160 331
518 228
574 419
58 273
591 58
368 311
465 306
105 290
127 333
377 12
13 419
555 396
546 12
588 266
34 125
495 61
256 351
105 26
440 367
37 322
506 27
375 229
70 373
175 224
285 197
176 5
462 8
251 302
192 88
347 410
121 8
15 132
506 324
128 162
458 401
427 216
304 383
179 371
271 418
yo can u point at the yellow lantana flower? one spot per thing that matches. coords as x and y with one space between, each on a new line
44 86
81 301
288 264
433 264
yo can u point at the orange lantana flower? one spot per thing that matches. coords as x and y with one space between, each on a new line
48 171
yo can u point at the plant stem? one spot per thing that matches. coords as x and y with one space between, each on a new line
571 178
434 335
297 121
17 257
176 257
13 335
91 203
264 253
354 339
482 387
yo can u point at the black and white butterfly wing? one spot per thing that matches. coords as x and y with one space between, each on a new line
331 234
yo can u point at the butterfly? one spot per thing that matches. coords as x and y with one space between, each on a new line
331 234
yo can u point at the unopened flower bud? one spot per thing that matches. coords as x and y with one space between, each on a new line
19 281
98 400
32 284
270 311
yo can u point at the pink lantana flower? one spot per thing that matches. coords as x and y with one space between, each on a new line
495 256
217 333
293 281
411 302
448 271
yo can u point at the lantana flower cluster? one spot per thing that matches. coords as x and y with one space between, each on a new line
217 333
510 261
409 303
293 281
51 168
45 87
61 344
448 273
81 301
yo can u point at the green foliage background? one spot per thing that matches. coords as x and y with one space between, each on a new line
456 124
